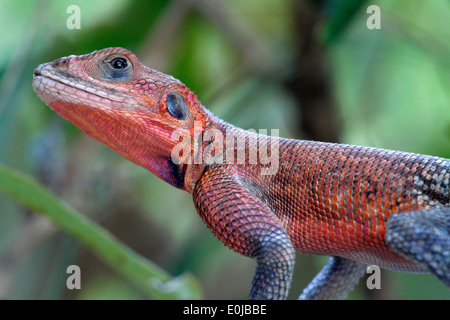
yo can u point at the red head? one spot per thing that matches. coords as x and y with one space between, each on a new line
127 106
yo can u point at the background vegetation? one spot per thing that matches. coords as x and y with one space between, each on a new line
309 68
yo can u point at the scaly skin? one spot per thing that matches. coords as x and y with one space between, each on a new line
359 205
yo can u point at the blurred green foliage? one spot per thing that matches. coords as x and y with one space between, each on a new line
389 89
149 278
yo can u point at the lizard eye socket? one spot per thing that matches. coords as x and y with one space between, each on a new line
176 106
117 68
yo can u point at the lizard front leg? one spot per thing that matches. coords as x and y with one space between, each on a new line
247 225
424 237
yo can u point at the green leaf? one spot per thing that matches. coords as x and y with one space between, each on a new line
151 279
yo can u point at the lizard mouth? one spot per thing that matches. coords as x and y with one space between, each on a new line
48 84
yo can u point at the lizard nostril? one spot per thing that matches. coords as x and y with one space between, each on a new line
62 64
37 72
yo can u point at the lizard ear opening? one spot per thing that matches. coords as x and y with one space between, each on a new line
176 106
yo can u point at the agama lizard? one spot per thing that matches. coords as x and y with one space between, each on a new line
361 206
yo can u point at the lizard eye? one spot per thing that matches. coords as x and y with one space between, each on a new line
117 67
118 63
176 106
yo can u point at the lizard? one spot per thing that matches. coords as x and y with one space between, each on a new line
359 205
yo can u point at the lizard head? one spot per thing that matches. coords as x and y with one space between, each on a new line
127 106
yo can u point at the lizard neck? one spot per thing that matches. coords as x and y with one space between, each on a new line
206 148
243 152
